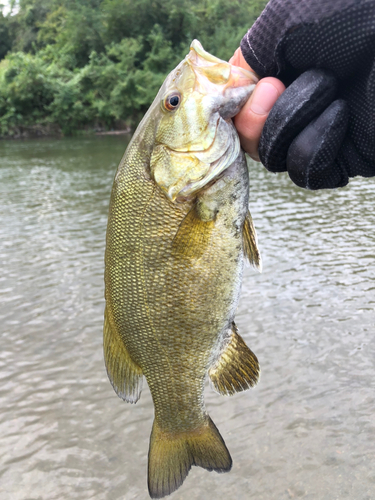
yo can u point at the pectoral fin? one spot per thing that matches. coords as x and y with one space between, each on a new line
124 374
193 236
237 367
250 245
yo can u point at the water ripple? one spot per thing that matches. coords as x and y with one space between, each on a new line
307 431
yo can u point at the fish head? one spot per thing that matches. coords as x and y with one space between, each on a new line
195 139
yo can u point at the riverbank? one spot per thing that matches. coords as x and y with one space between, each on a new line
54 131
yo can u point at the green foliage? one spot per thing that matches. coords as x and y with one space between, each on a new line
25 91
75 64
5 40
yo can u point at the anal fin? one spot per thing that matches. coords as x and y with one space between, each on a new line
124 374
236 369
250 244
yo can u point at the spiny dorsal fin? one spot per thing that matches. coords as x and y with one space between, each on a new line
250 244
171 456
236 369
193 236
124 374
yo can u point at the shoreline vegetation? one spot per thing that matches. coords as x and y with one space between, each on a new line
95 66
43 131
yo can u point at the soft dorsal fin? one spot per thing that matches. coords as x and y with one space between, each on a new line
124 374
250 244
236 369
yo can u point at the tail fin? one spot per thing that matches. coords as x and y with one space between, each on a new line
171 456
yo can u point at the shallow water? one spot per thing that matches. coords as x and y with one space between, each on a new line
307 430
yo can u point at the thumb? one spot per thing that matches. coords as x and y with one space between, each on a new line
252 117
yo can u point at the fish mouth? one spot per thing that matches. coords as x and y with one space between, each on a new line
215 76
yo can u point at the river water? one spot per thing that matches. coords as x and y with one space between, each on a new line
306 431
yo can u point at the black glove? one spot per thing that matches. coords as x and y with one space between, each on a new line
322 128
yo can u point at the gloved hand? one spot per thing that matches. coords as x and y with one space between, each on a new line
322 128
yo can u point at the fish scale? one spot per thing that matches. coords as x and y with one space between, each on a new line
173 270
189 326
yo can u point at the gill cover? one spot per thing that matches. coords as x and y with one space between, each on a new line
195 138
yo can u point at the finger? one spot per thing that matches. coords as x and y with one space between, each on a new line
252 117
238 60
311 159
302 101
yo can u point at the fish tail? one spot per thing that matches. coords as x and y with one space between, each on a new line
171 456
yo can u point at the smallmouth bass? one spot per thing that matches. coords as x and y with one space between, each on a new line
178 231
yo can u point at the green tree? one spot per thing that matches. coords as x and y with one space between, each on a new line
95 63
5 40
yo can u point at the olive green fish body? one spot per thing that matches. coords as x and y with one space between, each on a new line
174 262
170 308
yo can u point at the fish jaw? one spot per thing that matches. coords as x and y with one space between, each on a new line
197 141
231 85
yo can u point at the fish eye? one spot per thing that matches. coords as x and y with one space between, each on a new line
172 101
